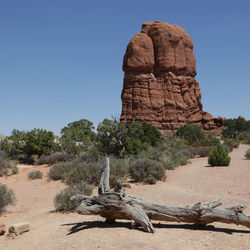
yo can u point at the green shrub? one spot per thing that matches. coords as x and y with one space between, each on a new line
219 156
244 137
233 127
209 140
86 166
247 154
191 133
174 158
7 197
14 169
55 158
62 200
230 143
36 174
203 151
167 156
119 139
173 142
141 169
89 172
59 171
89 157
190 153
149 180
29 146
141 136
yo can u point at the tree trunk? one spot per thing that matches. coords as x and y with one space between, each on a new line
114 204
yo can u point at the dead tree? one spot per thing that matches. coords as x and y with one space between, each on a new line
114 204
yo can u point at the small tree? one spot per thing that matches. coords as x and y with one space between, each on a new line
77 136
111 137
233 127
121 139
219 156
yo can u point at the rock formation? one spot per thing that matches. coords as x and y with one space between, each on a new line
159 85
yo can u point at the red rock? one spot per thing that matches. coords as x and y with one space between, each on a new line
207 117
159 85
140 54
2 229
173 48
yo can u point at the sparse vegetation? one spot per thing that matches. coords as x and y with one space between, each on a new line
169 154
7 166
203 151
233 127
62 200
82 171
35 174
244 137
149 180
200 151
230 143
55 158
219 156
174 158
14 169
84 150
7 197
144 170
59 171
209 140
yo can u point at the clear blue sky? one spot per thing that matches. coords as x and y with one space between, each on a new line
60 61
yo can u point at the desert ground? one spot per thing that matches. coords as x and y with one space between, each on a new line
185 185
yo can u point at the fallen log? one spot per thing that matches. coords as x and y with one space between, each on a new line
114 204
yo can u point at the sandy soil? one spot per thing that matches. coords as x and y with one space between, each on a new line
184 186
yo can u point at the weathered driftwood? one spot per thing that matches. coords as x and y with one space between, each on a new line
114 204
104 182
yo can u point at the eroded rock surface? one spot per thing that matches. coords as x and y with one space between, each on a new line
159 85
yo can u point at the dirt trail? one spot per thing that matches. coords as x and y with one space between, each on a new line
184 186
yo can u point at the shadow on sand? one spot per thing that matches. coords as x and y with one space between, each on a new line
76 227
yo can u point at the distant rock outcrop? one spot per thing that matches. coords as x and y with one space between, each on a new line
159 85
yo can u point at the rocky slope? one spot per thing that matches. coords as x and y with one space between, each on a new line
159 85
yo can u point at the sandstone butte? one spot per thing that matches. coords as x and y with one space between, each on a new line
159 81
